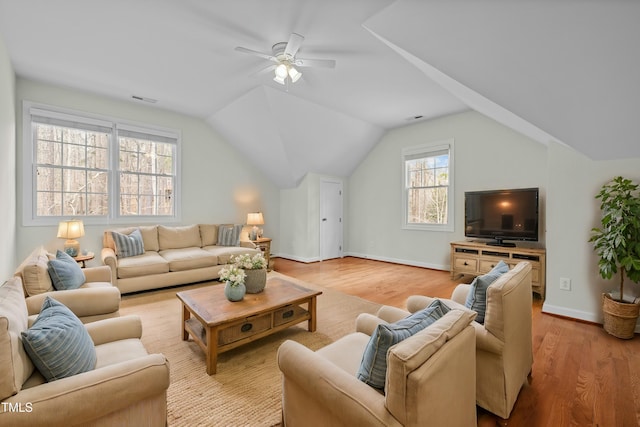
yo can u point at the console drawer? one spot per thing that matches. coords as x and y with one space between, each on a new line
288 314
466 265
250 326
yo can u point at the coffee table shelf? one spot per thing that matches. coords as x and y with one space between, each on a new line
209 318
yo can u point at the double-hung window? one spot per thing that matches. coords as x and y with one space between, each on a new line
427 194
98 169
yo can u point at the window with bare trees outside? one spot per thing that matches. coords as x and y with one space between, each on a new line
428 186
95 168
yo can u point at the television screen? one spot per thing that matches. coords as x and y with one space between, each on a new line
502 214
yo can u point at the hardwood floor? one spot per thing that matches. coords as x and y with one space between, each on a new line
581 375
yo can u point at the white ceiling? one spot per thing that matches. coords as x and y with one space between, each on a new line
564 70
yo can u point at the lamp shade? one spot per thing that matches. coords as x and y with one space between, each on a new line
71 229
255 218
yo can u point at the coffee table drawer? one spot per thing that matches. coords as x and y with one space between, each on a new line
250 326
288 314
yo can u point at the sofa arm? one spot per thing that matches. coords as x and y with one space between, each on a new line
110 259
90 395
247 244
115 329
97 274
318 393
82 302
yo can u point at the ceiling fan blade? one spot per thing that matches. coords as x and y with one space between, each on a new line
319 63
295 40
256 53
263 71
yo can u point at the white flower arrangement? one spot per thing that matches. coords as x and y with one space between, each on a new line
248 262
232 274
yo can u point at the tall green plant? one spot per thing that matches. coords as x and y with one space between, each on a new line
617 241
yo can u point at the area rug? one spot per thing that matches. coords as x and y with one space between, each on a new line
247 389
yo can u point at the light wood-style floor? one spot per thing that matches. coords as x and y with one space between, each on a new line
581 375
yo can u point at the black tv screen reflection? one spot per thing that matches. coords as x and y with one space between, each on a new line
502 214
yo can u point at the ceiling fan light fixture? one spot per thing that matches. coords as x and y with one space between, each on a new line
294 74
281 71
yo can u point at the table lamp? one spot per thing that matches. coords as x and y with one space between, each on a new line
255 219
71 230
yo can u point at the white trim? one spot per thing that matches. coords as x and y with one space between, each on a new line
299 259
400 261
28 203
321 209
427 149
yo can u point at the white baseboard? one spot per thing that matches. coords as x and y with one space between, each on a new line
577 314
297 258
399 261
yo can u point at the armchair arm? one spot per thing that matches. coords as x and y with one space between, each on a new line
460 293
97 274
110 259
317 393
82 302
91 395
114 329
367 323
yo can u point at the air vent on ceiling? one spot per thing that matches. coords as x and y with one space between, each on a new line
145 99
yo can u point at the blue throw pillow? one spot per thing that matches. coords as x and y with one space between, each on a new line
373 368
128 245
65 272
58 343
477 298
229 235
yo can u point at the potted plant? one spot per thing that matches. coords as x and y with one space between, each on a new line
255 268
234 288
617 243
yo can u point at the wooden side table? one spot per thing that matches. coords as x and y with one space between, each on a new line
81 259
264 244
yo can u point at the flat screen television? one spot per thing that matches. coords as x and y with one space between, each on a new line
502 215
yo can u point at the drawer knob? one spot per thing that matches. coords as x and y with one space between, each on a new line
246 327
287 314
466 263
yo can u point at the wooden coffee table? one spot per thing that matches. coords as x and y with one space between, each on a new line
218 325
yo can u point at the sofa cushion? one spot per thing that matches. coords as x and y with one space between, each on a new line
477 297
65 272
179 237
373 368
224 253
229 235
58 343
128 245
188 258
34 274
15 364
208 234
142 265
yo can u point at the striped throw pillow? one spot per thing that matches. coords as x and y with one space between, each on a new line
229 235
128 245
373 367
58 344
477 297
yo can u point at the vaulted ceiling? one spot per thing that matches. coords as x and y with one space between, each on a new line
563 70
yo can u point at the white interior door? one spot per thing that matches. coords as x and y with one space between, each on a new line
330 219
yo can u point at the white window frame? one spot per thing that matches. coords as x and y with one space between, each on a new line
428 150
29 164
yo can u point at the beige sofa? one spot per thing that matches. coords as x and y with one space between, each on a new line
172 256
96 299
128 386
504 349
430 379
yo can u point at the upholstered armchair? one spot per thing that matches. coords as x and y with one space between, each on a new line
124 386
430 377
96 299
504 354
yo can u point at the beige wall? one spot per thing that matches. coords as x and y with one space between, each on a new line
218 185
7 165
487 155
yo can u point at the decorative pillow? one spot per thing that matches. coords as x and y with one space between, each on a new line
65 272
373 368
128 245
477 298
229 235
58 343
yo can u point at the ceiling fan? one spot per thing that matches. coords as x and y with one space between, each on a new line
285 62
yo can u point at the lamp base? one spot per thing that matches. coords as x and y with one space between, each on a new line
253 234
72 248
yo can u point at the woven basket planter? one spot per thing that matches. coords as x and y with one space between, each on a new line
255 280
620 318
